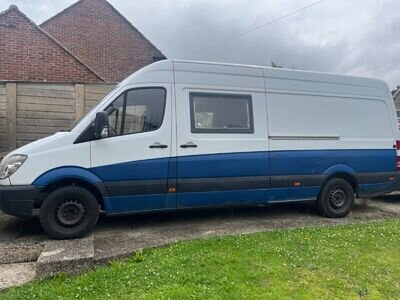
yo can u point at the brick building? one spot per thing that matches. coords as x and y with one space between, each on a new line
90 41
30 54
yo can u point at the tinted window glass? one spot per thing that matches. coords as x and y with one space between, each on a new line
218 113
136 111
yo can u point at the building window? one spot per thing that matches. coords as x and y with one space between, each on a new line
136 111
221 113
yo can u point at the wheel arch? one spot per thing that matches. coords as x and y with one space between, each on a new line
344 172
70 176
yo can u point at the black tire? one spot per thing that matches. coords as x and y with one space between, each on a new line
69 212
336 198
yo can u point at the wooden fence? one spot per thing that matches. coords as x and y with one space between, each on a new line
30 111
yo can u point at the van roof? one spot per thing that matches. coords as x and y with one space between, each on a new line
255 77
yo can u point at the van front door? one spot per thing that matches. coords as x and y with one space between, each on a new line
133 161
222 148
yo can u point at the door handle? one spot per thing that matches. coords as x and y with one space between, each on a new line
189 145
158 146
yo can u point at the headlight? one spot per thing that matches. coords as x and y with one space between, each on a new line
10 165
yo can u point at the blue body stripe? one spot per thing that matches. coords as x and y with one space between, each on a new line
224 165
123 204
319 161
136 170
249 164
67 172
275 163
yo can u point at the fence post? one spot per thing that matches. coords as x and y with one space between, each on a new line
11 115
79 101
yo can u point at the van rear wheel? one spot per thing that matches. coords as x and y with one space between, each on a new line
69 212
336 198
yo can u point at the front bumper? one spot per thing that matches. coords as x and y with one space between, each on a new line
18 200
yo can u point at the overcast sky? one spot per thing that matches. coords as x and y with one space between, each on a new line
341 36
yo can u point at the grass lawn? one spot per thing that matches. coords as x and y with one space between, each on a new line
351 262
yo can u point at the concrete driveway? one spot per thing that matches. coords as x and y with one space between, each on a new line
26 252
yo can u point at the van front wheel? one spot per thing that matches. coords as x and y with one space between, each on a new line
336 198
69 212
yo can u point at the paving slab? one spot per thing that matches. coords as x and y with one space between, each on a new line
21 240
69 256
16 274
20 251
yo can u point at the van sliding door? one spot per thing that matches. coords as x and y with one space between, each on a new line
222 148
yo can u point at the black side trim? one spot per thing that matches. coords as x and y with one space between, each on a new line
136 187
290 180
196 185
365 178
222 184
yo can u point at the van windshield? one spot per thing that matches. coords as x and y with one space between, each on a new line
92 109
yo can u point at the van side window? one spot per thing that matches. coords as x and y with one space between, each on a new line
115 111
221 113
137 110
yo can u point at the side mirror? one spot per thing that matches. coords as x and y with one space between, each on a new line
101 125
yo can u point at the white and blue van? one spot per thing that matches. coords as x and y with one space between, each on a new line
180 134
